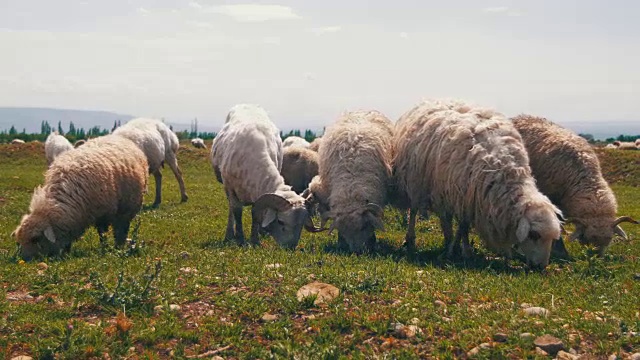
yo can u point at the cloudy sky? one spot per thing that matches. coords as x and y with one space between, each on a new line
306 61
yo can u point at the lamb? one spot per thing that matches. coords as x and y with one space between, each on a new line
198 143
467 162
315 144
354 172
625 145
567 170
295 141
99 184
247 158
160 145
56 145
299 166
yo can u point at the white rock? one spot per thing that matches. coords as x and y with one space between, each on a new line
536 311
174 307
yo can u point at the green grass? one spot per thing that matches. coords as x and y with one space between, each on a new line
98 300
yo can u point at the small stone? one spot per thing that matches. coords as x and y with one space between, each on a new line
269 317
635 356
210 313
273 266
562 355
412 331
549 344
500 337
541 352
636 276
43 266
526 336
573 337
184 255
539 323
484 346
566 326
132 349
414 321
174 307
172 353
324 292
439 303
536 311
188 270
573 351
446 319
22 357
311 277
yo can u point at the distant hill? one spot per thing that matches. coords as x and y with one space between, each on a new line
31 118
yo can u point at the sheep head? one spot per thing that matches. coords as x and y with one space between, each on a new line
358 227
35 236
536 230
599 231
282 219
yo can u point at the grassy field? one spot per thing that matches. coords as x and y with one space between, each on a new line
106 304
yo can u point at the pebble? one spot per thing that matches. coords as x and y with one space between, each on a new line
478 348
562 355
526 336
500 337
273 266
217 357
269 317
549 344
158 309
536 311
612 357
414 321
174 307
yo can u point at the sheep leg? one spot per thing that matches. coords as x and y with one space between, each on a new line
120 231
450 244
410 237
462 236
102 227
173 164
158 176
237 215
255 233
342 242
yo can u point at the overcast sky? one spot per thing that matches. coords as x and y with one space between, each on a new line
306 61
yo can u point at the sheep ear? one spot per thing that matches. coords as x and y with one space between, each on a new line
268 217
523 230
48 233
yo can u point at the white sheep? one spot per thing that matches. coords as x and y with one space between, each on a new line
567 170
198 143
55 145
246 157
295 141
355 164
160 145
299 166
625 145
99 184
610 146
17 141
470 163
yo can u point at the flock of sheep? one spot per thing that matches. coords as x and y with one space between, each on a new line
515 181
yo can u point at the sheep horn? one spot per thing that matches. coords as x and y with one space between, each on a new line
622 219
332 227
271 200
375 209
618 230
13 233
311 227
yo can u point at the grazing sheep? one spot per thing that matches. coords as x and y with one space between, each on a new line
299 166
198 143
567 170
295 141
160 145
625 145
638 143
79 143
98 184
610 146
56 145
354 172
470 163
315 144
247 158
17 141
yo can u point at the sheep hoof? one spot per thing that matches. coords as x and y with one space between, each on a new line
184 198
155 205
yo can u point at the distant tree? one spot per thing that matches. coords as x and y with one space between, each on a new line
587 137
72 129
115 125
60 128
13 130
45 128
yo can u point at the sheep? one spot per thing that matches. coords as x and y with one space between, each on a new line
99 184
295 141
625 145
55 145
198 143
315 144
17 141
567 170
638 143
610 146
467 162
79 143
246 157
160 144
299 166
354 172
